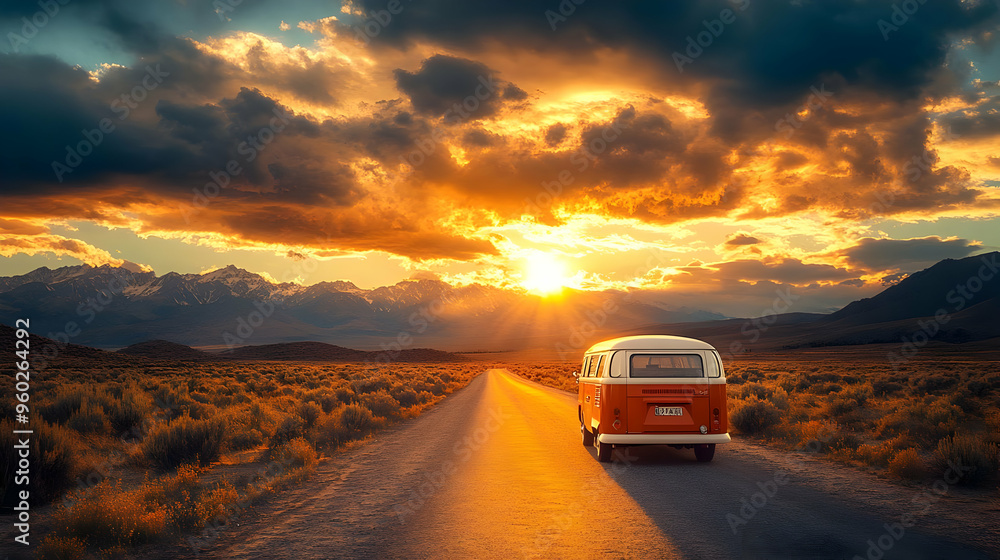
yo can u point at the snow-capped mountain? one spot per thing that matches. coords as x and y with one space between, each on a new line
110 307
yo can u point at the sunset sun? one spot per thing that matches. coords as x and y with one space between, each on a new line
544 274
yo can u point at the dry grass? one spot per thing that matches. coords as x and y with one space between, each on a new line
170 425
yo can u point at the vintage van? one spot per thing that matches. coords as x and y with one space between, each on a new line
653 390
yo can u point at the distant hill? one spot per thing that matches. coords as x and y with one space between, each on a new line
897 314
319 351
165 350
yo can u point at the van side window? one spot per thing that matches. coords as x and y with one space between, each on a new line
583 368
595 366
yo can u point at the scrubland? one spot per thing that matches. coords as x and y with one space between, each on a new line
126 456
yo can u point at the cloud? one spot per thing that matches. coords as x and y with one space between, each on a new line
742 239
57 245
454 88
909 254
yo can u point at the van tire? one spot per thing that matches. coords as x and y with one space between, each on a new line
588 436
704 453
603 451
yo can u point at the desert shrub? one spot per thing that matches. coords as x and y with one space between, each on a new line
884 388
290 427
405 396
355 419
966 401
191 509
185 440
53 459
66 402
876 455
839 406
755 416
88 419
969 451
330 433
979 388
309 412
858 393
110 516
298 453
381 404
825 388
129 409
935 383
926 421
756 390
247 438
62 548
908 465
844 441
345 395
371 384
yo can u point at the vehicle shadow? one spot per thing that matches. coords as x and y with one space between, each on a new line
736 507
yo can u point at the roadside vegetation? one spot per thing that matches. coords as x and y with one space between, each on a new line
127 456
906 424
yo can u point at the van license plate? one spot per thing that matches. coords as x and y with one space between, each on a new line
668 411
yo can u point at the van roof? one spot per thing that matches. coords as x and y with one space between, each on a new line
651 342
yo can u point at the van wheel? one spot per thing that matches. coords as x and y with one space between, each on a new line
588 436
603 452
704 453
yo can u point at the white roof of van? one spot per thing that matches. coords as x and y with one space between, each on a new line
651 342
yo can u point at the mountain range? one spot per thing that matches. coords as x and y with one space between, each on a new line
113 307
953 301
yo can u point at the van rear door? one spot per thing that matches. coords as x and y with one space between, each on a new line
667 392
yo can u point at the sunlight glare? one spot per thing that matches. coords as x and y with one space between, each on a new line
544 275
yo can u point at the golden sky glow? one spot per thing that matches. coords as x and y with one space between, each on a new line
585 160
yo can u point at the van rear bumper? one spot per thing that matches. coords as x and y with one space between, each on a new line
663 439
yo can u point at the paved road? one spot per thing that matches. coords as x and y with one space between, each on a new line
497 471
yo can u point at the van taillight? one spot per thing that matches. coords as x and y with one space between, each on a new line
716 422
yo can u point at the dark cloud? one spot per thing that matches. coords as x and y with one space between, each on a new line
451 87
909 254
742 239
555 134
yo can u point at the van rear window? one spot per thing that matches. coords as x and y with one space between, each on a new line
666 365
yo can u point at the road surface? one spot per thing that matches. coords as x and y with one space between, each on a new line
497 471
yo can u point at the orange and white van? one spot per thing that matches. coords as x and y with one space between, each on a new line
653 390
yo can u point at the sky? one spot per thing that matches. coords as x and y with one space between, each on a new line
710 152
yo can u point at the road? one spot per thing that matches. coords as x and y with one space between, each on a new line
497 471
